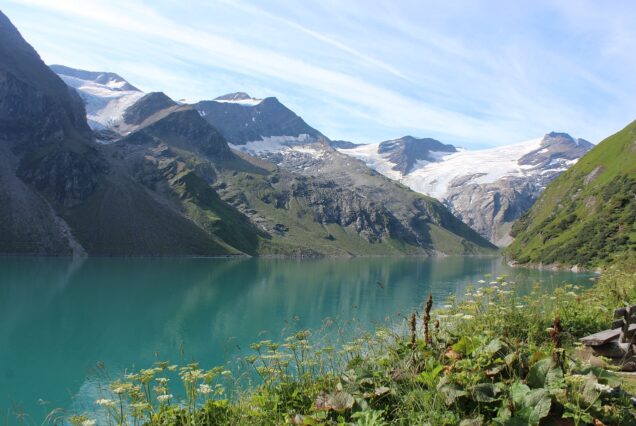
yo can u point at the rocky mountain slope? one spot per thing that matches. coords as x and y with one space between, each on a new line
301 196
61 193
587 215
243 119
488 189
284 139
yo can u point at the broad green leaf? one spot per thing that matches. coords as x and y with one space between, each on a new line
485 392
451 391
543 373
518 392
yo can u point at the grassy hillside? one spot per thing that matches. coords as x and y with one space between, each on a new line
587 216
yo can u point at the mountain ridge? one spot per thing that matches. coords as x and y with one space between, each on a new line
488 189
171 185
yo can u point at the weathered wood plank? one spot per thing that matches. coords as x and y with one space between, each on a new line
605 336
601 337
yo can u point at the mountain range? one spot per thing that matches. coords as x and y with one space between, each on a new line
89 164
488 189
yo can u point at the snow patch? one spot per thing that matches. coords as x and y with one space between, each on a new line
105 103
272 144
434 178
245 102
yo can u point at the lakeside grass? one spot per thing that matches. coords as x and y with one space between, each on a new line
493 358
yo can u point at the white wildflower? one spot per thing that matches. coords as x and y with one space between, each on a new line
164 398
204 389
603 388
89 422
105 402
519 306
468 317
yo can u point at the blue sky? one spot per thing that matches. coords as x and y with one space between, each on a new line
471 73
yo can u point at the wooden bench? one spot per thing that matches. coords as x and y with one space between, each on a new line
615 342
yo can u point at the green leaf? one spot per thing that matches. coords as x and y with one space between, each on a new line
539 408
544 373
485 392
518 392
466 345
451 391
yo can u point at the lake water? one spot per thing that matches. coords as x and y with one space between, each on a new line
60 318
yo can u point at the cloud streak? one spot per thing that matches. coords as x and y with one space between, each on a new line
371 73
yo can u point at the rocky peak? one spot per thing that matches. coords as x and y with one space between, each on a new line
405 152
236 96
556 148
248 120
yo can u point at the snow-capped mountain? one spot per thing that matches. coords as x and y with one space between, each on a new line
488 189
311 200
106 95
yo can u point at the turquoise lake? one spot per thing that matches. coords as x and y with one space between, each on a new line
60 318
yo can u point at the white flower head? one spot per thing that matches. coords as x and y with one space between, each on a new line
105 402
164 398
603 388
204 389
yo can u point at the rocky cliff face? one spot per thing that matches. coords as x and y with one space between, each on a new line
487 189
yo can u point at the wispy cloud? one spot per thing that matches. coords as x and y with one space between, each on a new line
361 70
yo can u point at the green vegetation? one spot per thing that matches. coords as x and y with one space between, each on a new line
491 358
587 216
